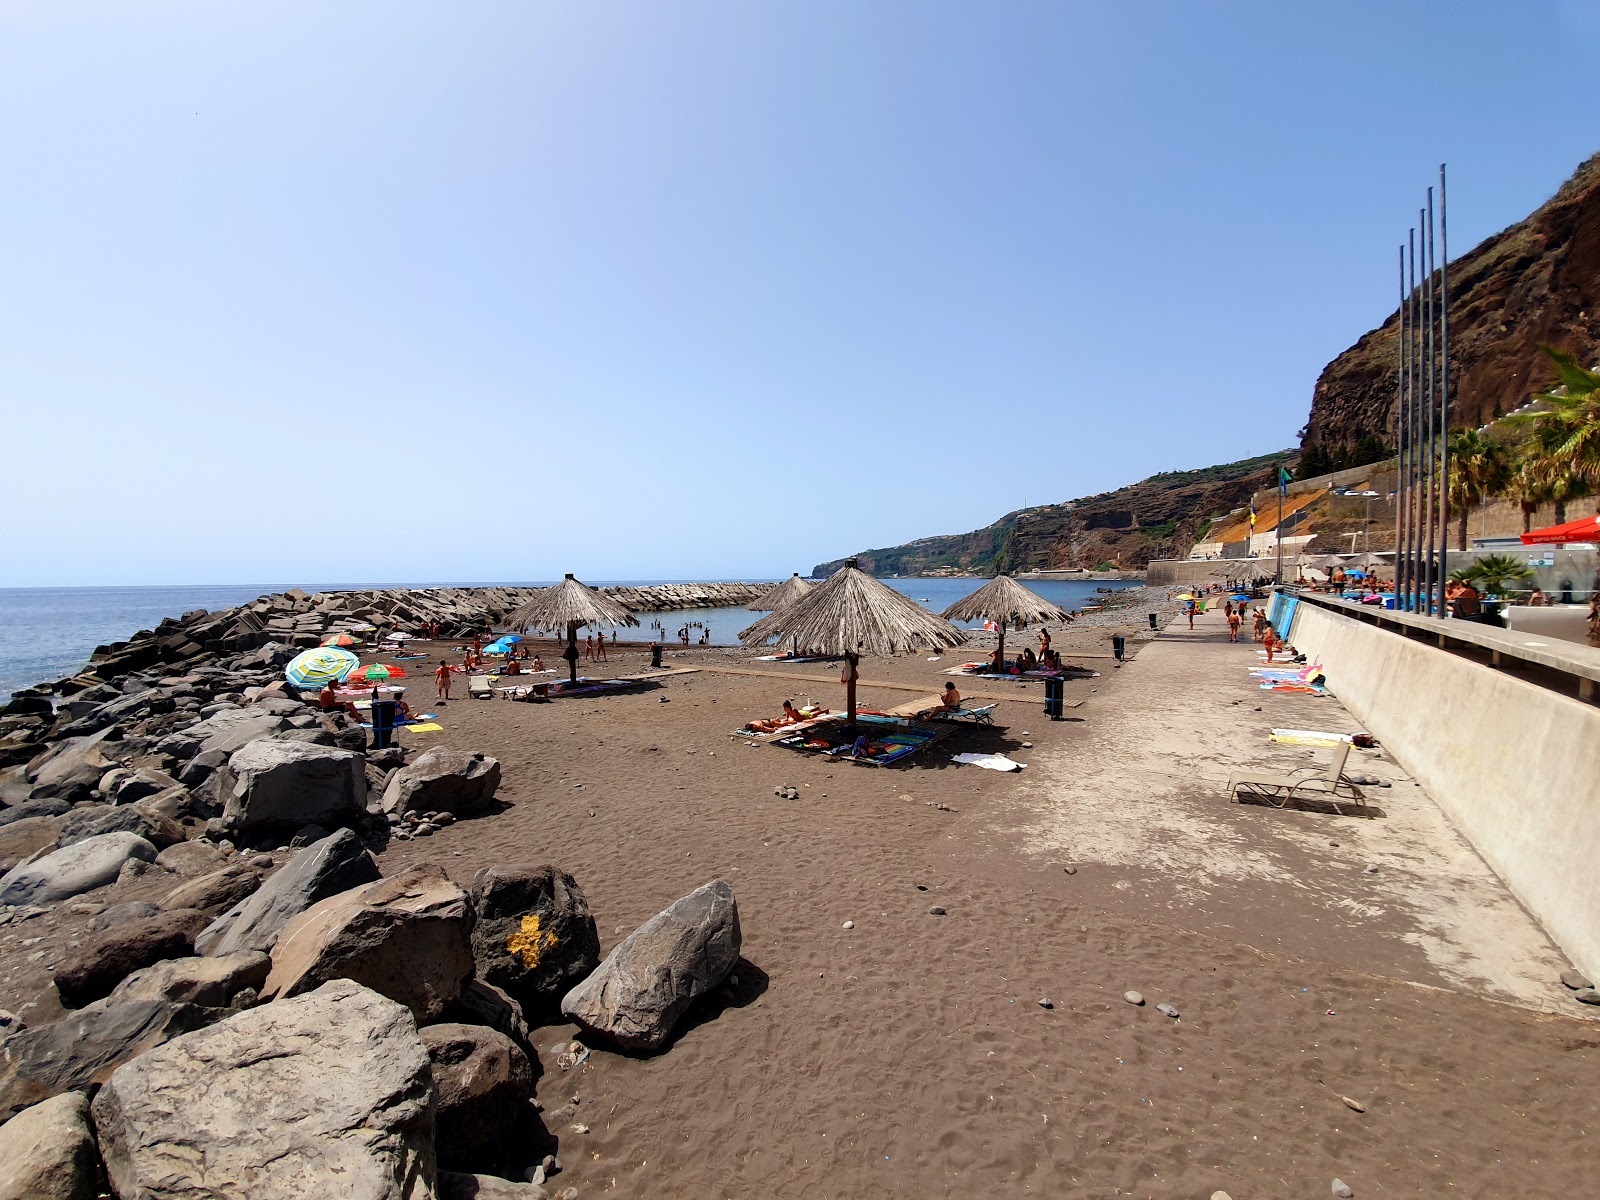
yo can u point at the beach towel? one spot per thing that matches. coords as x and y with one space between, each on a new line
425 727
992 762
784 658
1306 737
1303 688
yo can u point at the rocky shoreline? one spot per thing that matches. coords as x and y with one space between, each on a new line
398 1008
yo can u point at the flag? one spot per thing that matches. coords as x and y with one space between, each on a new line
1283 481
1252 513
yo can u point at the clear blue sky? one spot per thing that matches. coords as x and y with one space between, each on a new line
700 289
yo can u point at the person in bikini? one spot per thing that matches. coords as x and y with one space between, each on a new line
441 679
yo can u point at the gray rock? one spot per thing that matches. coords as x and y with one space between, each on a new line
535 936
121 914
333 865
141 784
208 982
83 1048
444 780
293 783
1575 979
1342 1189
75 869
333 1085
90 971
459 1185
636 996
408 937
936 911
71 771
190 858
47 1152
34 808
482 1003
1166 1010
1586 996
92 820
225 731
484 1083
1133 997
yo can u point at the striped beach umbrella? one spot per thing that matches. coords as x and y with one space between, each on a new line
374 672
325 664
339 639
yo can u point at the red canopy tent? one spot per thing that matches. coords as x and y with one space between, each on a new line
1585 529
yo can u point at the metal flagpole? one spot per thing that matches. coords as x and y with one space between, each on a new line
1414 499
1429 456
1400 448
1444 390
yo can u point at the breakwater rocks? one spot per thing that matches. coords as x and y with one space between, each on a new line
298 621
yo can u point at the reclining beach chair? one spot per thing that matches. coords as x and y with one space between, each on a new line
478 688
1330 785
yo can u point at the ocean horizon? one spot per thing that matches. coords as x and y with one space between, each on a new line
48 633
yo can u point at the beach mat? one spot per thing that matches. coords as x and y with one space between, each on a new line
992 762
424 727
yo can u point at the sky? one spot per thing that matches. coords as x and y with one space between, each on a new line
391 291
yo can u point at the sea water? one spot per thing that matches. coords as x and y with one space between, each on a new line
49 633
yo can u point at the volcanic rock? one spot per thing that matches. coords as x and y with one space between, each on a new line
484 1083
208 982
443 780
92 970
77 868
333 865
92 820
293 784
408 937
636 996
535 937
47 1152
330 1086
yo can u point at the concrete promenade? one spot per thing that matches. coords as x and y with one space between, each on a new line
1136 803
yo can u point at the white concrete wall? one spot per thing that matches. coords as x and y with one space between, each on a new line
1514 765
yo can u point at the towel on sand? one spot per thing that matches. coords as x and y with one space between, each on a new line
992 762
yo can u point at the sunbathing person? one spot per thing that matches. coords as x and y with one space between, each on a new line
513 667
951 700
997 665
1026 660
791 716
538 663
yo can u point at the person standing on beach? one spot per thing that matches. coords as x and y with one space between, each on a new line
1044 642
1233 626
441 679
1189 607
588 646
600 648
1261 624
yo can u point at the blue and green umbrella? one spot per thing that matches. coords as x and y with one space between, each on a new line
325 664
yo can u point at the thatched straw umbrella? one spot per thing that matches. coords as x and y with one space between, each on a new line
1003 600
853 614
781 596
569 604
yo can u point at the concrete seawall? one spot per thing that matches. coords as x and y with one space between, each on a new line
1512 762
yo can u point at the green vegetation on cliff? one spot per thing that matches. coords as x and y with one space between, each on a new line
1158 517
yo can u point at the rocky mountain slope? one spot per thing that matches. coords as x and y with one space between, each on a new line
1536 283
1158 517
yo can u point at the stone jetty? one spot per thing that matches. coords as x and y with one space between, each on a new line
297 620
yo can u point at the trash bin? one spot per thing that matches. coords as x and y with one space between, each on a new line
383 717
1118 645
1055 694
655 655
1152 620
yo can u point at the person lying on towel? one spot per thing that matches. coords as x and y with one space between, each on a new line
791 716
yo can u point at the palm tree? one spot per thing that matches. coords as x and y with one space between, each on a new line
1494 570
1565 432
1479 468
1528 489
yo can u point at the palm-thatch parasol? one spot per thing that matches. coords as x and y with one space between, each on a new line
781 596
1003 600
568 605
853 614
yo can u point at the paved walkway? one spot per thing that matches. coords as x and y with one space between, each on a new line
1137 803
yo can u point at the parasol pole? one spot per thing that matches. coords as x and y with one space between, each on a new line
852 661
571 652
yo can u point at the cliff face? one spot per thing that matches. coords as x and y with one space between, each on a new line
1159 517
1536 283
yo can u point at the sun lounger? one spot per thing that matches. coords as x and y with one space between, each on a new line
1330 784
983 714
478 688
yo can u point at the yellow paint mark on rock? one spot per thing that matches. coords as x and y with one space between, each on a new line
530 942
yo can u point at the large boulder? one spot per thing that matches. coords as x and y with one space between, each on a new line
25 838
91 970
335 864
83 1048
482 1003
443 780
408 937
91 820
47 1152
462 1185
535 937
208 982
293 784
34 808
637 995
140 784
328 1093
215 890
80 867
484 1083
191 858
223 731
71 771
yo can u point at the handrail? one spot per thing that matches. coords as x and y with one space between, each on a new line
1506 647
